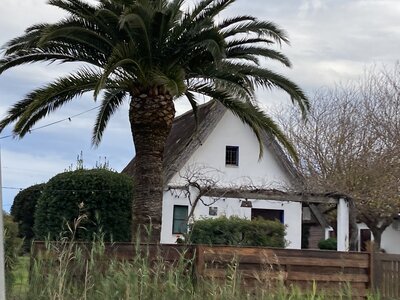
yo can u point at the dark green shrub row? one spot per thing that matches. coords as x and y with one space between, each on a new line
329 244
104 196
23 211
237 231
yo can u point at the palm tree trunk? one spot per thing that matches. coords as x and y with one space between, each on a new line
151 115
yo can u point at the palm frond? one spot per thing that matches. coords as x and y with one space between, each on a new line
247 41
42 101
265 78
196 11
112 100
193 103
239 51
75 33
121 57
230 21
260 28
75 7
15 60
229 80
213 9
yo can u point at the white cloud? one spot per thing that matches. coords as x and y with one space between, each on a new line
310 7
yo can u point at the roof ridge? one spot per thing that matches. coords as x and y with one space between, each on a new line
191 110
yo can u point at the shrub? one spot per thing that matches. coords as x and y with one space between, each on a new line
329 244
12 247
237 231
104 196
23 211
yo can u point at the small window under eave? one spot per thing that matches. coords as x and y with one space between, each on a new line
232 156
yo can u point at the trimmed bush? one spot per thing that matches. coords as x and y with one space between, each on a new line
104 196
329 244
23 211
237 231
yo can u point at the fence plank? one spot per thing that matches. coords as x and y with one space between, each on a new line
299 267
306 276
387 275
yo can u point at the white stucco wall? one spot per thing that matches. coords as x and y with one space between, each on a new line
230 131
231 207
390 238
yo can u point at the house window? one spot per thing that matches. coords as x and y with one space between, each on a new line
179 223
213 211
268 214
232 156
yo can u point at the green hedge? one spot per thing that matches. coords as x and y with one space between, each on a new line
329 244
23 211
104 196
237 231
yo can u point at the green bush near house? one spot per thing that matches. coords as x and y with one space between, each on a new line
328 244
237 231
103 196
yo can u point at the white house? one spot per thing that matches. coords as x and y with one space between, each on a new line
214 169
390 240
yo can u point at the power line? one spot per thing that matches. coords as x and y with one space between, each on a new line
6 136
53 123
118 191
12 188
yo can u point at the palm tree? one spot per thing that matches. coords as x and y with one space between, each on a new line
150 53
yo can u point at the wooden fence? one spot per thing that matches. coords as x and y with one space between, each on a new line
386 275
329 270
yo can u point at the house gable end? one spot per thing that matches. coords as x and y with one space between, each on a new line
271 171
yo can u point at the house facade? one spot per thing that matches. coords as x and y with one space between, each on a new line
390 240
214 169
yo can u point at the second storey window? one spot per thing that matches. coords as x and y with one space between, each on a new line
232 156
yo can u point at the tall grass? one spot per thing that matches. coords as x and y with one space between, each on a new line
65 272
68 270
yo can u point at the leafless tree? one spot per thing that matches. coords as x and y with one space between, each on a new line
351 144
196 181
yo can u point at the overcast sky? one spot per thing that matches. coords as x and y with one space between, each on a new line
331 41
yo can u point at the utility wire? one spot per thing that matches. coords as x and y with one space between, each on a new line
53 123
68 190
12 188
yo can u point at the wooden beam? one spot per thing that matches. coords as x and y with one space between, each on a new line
265 195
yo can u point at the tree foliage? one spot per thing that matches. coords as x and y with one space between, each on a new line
238 231
23 211
105 197
133 46
351 145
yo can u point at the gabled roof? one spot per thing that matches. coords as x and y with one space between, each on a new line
184 139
